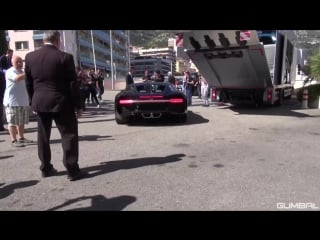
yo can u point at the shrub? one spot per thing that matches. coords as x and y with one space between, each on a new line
313 93
315 66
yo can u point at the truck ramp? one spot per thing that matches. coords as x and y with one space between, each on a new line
229 58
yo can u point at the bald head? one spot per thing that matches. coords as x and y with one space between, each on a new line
17 62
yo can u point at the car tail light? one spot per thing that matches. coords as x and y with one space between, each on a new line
125 101
176 100
150 97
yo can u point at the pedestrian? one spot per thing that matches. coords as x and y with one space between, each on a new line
146 77
129 78
92 85
16 103
5 63
158 77
54 94
171 78
84 90
204 90
188 86
100 80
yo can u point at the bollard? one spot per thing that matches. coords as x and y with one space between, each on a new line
305 97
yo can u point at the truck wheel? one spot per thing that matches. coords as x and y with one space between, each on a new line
258 100
281 98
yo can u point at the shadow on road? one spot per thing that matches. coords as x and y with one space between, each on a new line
106 167
94 138
30 130
99 203
193 118
9 189
4 157
4 133
112 166
86 138
85 120
290 108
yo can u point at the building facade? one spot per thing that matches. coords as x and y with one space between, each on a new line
24 41
104 49
162 59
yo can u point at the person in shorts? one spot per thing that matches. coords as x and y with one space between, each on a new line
16 103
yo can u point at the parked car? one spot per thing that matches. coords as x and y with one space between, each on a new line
150 100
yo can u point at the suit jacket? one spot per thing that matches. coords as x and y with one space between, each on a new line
51 80
5 62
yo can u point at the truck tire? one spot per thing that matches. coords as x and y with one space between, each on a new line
258 99
281 98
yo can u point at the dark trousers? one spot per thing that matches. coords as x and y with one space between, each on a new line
84 94
67 125
2 90
100 90
93 93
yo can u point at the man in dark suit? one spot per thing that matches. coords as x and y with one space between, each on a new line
5 60
54 94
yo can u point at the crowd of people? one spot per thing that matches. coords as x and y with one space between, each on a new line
91 86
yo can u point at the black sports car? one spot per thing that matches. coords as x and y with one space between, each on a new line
150 100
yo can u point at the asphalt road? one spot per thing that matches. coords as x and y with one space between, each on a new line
222 158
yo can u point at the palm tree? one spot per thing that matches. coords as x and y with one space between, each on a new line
315 66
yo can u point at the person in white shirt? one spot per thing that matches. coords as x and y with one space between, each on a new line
204 90
16 102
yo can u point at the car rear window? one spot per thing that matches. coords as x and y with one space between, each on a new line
151 88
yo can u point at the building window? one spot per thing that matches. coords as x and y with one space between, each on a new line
24 45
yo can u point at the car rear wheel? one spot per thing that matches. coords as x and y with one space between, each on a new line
120 119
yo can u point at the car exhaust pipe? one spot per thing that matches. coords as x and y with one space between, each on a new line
151 115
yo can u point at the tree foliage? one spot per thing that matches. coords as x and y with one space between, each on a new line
309 40
150 38
315 66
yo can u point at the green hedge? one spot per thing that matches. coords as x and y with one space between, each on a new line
313 92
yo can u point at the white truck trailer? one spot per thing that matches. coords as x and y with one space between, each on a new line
245 65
